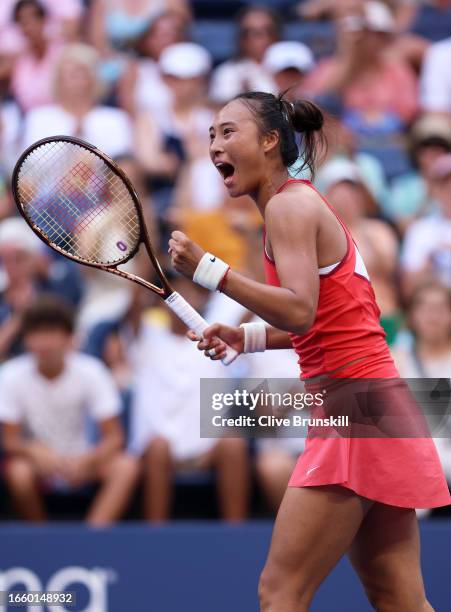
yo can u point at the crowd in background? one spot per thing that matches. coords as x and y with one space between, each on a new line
99 387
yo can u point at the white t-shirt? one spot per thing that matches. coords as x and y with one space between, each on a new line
235 76
423 238
107 128
435 83
56 411
167 393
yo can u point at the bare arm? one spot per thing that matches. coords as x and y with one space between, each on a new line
149 148
292 229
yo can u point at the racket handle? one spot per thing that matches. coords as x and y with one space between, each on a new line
194 321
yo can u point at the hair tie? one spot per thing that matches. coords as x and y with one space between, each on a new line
286 108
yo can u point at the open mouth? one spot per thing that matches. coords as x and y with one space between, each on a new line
226 170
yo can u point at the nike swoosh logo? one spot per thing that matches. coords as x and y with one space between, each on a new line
312 469
212 259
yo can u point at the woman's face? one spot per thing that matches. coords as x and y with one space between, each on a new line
257 32
186 91
236 149
348 199
76 80
166 31
430 317
31 23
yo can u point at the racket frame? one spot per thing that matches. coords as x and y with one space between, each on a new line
166 290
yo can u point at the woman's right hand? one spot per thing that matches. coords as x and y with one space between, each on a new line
215 338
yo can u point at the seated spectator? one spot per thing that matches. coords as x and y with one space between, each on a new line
289 62
375 239
118 24
32 73
258 28
435 84
63 22
426 251
77 111
44 421
428 353
165 418
142 86
378 92
27 268
184 124
411 193
276 457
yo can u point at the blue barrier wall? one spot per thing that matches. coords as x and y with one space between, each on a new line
182 567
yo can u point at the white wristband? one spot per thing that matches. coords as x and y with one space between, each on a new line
210 271
254 337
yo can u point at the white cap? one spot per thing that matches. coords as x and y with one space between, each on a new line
378 17
16 233
337 171
185 61
288 54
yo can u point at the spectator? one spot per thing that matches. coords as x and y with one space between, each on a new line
411 193
118 24
185 125
63 22
77 111
165 419
31 81
19 252
428 354
142 86
258 28
275 457
44 421
426 251
378 92
376 240
289 62
435 82
27 269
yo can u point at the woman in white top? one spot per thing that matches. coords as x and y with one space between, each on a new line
142 85
186 67
258 28
77 111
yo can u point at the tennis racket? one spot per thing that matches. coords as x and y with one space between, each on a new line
80 203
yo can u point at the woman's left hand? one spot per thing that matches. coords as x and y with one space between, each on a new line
185 254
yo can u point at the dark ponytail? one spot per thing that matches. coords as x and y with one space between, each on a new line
287 118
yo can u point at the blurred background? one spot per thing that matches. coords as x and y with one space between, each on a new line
99 388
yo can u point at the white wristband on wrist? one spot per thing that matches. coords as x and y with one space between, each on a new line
254 337
210 271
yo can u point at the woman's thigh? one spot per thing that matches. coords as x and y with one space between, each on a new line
313 530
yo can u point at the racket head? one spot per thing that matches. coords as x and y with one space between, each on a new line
79 202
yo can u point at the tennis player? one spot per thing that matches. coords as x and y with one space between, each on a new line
346 495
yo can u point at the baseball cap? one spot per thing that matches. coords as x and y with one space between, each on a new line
185 61
15 232
288 54
337 171
431 127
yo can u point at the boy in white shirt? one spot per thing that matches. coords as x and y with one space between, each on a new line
46 397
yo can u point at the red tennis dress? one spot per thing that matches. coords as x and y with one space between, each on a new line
346 341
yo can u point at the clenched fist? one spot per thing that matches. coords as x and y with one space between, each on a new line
185 254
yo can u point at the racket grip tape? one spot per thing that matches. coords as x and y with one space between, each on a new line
194 321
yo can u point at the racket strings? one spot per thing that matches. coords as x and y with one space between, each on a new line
78 203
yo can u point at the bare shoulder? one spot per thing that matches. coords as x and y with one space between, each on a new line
298 203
